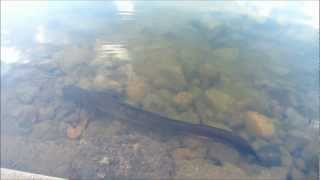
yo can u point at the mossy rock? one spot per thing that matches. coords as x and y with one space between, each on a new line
162 72
219 100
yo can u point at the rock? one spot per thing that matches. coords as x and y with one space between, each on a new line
46 113
299 163
222 153
259 125
295 174
275 173
294 118
209 76
270 155
183 98
235 119
196 144
202 109
103 128
276 109
296 141
219 100
196 92
101 82
81 161
160 101
46 130
162 72
72 56
201 169
74 132
27 118
192 142
188 116
183 153
136 89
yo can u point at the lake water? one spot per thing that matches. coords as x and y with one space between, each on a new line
248 68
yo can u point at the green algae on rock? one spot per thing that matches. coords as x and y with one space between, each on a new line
219 100
161 72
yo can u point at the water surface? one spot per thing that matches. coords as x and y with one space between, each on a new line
232 65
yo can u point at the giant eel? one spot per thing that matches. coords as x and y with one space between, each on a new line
110 103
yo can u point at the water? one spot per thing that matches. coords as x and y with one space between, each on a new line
231 65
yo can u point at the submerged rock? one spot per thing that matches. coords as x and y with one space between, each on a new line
196 145
74 132
46 131
259 125
136 89
183 153
209 76
201 169
270 155
275 173
162 73
188 116
295 174
294 118
222 153
219 100
155 102
183 98
102 82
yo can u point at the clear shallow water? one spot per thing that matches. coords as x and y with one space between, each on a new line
253 73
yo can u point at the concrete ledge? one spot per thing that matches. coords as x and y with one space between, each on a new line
9 174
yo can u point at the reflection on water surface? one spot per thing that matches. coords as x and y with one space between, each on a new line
230 65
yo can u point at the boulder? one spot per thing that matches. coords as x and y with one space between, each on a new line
136 89
259 125
219 100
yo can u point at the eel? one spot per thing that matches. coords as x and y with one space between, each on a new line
110 103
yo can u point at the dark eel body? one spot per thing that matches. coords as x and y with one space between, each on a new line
111 104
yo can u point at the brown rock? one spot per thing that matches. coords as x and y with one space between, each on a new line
183 153
74 132
183 98
259 125
136 89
